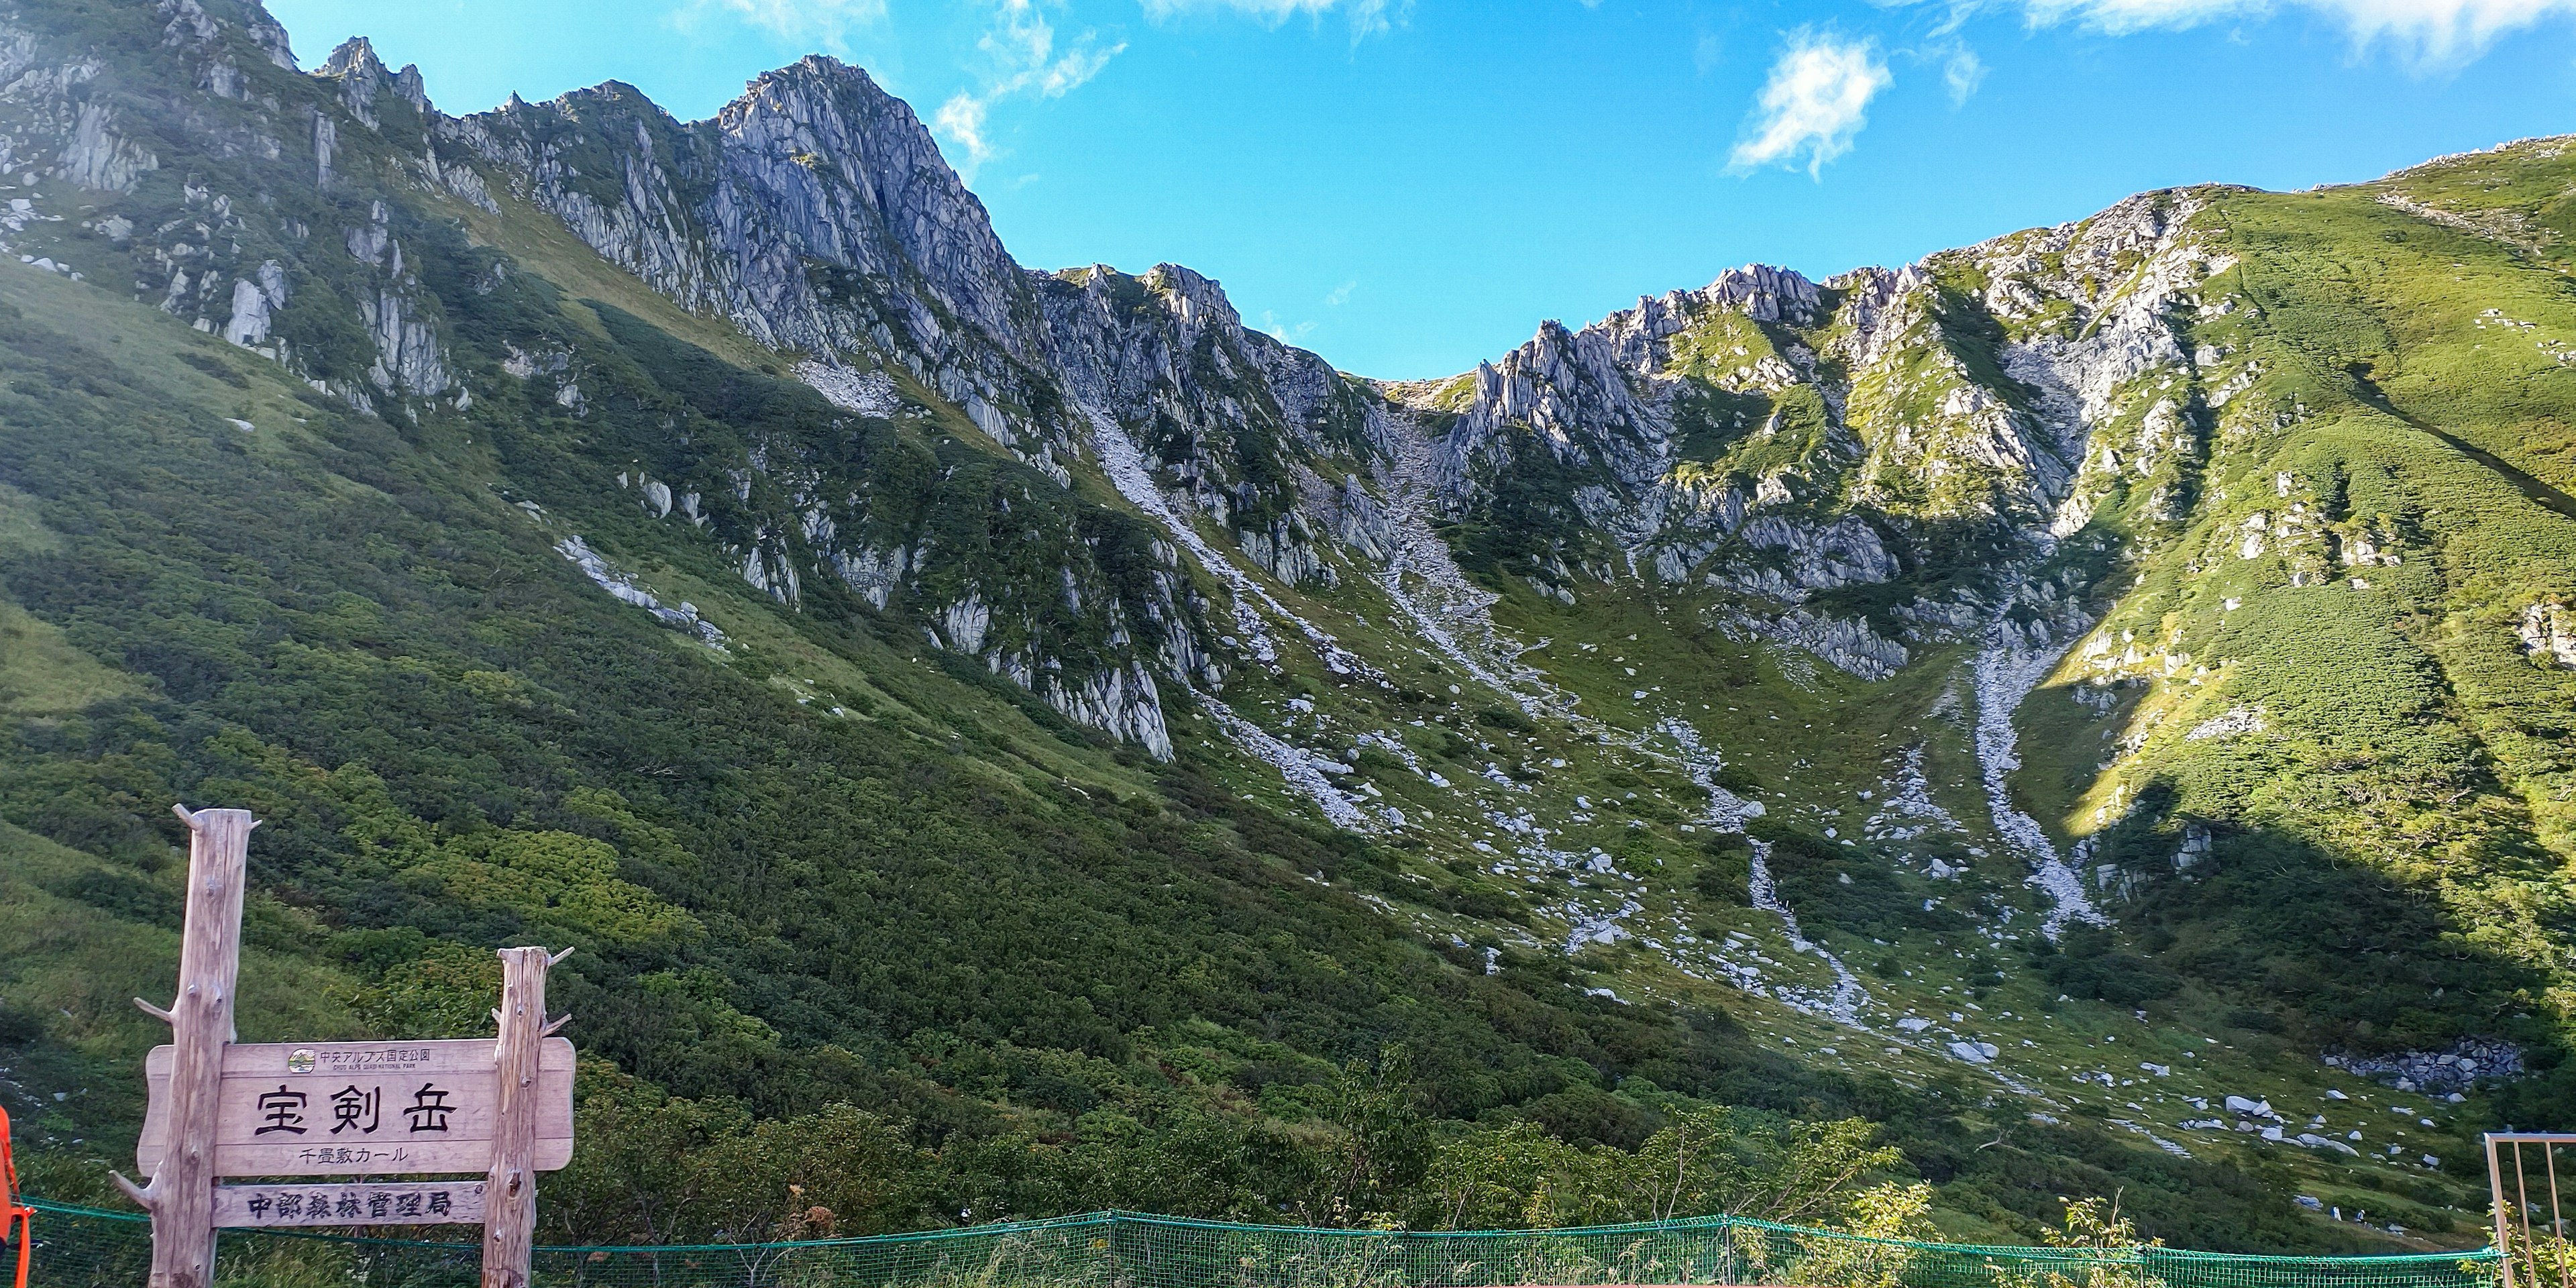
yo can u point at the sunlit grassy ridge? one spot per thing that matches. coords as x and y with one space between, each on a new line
2355 576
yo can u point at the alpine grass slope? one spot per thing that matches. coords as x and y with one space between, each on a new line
2095 704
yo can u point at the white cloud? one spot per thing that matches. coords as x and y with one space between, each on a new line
1282 332
1962 72
961 118
1022 44
1341 294
1021 50
826 21
1367 17
2431 31
1816 100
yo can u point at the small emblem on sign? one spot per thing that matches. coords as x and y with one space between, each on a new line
300 1060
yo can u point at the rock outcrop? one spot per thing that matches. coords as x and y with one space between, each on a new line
2548 634
2467 1064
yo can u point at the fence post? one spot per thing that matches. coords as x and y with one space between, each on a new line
1117 1279
510 1189
181 1193
2503 1232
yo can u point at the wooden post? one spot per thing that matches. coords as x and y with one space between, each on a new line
2503 1230
181 1195
510 1190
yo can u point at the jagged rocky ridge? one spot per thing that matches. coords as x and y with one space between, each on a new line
1858 468
1772 439
1778 440
816 213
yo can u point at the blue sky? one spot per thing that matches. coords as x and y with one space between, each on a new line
1408 187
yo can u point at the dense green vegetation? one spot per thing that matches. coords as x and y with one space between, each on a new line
866 926
917 943
463 754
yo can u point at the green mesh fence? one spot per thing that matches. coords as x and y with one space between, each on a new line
82 1247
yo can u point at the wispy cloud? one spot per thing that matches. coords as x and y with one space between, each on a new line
2432 32
1367 17
1707 52
1282 332
1816 100
1341 294
827 22
1961 73
1024 61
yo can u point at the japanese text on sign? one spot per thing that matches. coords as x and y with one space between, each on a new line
401 1203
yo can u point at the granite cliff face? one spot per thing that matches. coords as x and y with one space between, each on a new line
817 214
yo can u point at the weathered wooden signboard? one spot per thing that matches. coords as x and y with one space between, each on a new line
352 1111
361 1108
355 1203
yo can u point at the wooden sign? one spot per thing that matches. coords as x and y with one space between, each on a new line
181 1195
223 1108
361 1108
389 1203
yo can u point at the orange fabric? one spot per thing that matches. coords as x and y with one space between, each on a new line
12 1212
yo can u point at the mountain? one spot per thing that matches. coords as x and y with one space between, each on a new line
2094 704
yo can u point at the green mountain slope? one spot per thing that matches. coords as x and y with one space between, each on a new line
816 867
1027 742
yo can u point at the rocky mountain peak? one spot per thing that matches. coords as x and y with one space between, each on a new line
1871 296
363 79
355 56
1195 300
1761 292
1602 397
829 166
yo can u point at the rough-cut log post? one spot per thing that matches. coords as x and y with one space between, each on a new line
510 1191
181 1196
